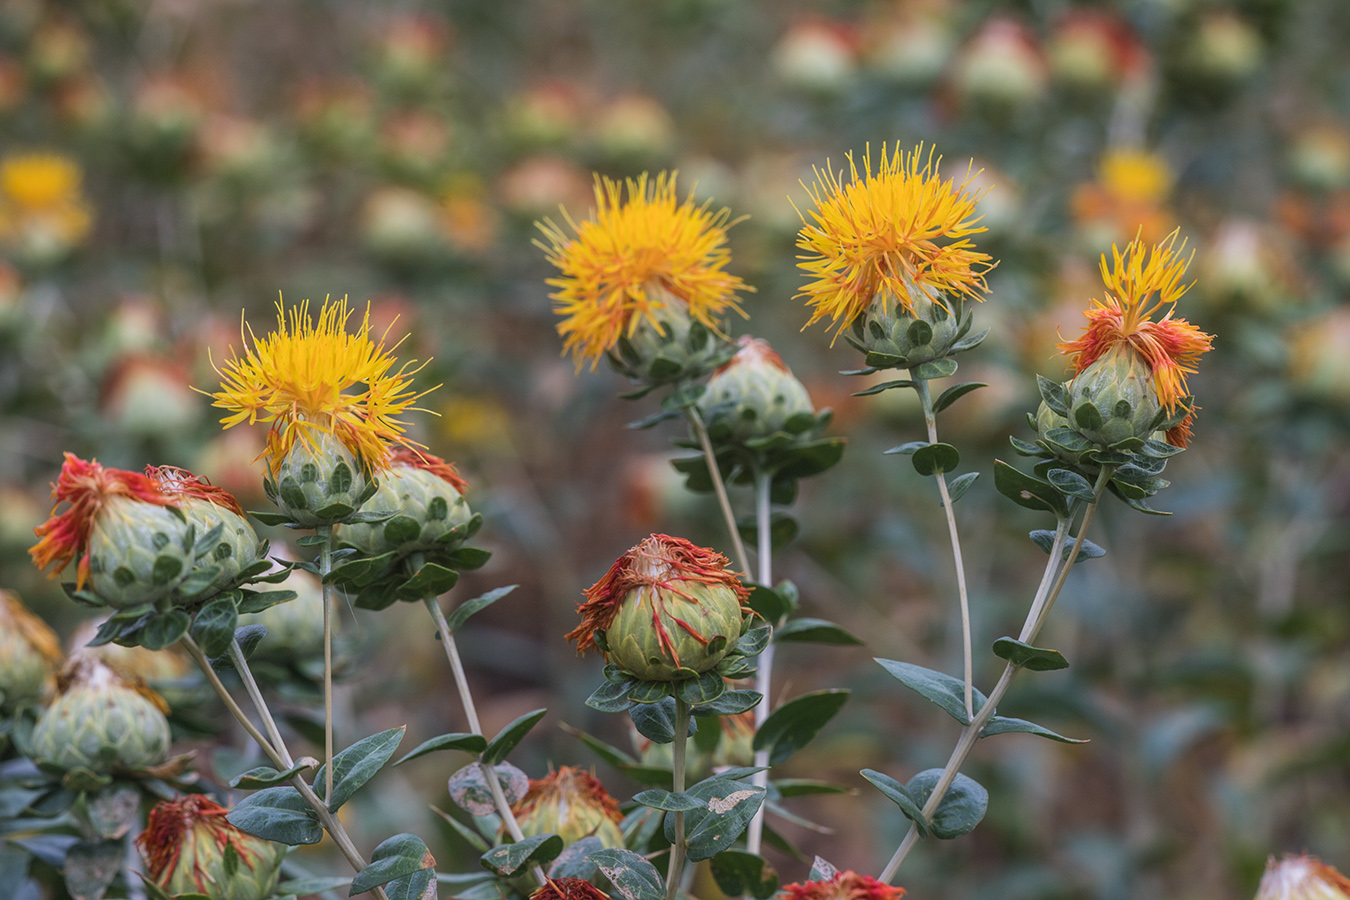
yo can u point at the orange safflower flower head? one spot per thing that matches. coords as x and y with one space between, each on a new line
897 240
644 279
190 847
666 610
130 547
1302 878
571 803
1123 336
846 885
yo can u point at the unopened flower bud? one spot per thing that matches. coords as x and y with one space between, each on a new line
1114 398
1302 878
571 803
206 506
428 495
754 394
319 482
930 332
29 654
669 610
190 847
101 721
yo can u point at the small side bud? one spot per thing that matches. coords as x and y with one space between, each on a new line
29 654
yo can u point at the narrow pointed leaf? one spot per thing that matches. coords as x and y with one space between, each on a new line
356 765
795 723
506 740
469 743
632 876
936 687
1006 725
511 859
1034 659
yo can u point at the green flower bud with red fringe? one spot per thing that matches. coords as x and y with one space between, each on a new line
568 889
190 848
29 654
101 721
428 495
573 804
754 394
205 506
846 885
667 610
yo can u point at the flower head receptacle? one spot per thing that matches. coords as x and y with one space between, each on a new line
101 721
845 885
428 495
1302 877
644 281
29 654
896 238
189 847
667 610
754 394
892 337
573 804
130 542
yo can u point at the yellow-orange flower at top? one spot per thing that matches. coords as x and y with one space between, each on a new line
41 191
641 249
1141 282
1129 193
301 378
899 230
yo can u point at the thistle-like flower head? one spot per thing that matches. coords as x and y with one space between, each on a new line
186 843
87 487
568 889
570 802
300 378
846 885
894 233
180 483
1302 878
640 252
1142 282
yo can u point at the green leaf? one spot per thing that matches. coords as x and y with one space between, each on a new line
1034 659
918 333
649 691
1054 395
1087 416
401 530
1006 725
1026 448
469 743
430 581
510 859
266 776
469 558
898 794
398 857
277 814
884 386
356 765
213 626
936 368
632 876
319 884
1071 483
469 788
90 867
971 341
883 360
935 687
165 629
792 725
772 606
740 872
782 529
954 393
753 642
906 449
257 601
511 735
704 689
801 787
960 484
961 808
726 809
659 799
575 861
610 697
476 605
1027 491
656 721
1045 539
934 458
815 631
730 704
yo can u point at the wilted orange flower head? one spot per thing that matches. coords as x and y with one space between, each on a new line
309 378
1142 282
570 802
86 486
893 233
418 459
641 251
185 844
180 483
568 889
846 885
1302 878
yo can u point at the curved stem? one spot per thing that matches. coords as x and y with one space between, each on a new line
325 567
680 849
754 836
710 458
967 652
499 800
200 658
1056 573
264 712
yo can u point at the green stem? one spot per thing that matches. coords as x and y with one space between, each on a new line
499 800
325 567
754 836
1055 575
930 419
680 850
710 458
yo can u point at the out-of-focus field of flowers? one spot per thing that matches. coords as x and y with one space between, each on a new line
165 164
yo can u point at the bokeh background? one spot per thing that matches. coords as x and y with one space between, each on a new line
167 164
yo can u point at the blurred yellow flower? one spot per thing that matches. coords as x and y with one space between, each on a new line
636 255
40 201
890 234
1127 196
299 377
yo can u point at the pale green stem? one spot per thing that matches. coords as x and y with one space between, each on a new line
754 836
967 652
279 755
1055 571
471 714
710 458
325 567
680 849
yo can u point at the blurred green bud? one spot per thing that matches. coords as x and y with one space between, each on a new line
29 654
101 721
573 804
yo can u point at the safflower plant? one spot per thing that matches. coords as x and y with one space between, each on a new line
687 633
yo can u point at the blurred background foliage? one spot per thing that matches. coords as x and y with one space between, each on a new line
165 164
